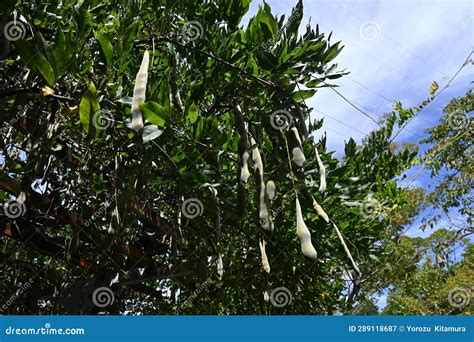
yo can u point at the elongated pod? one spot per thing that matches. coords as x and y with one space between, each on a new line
320 211
244 172
220 266
296 148
243 144
346 249
265 263
322 172
304 235
264 211
271 190
139 93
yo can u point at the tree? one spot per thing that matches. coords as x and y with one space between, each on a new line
450 160
165 219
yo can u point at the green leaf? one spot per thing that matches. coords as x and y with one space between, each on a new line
154 113
302 95
129 37
434 87
192 113
36 61
85 24
252 64
107 48
59 52
87 108
332 52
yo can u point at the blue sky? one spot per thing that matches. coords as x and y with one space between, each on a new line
394 50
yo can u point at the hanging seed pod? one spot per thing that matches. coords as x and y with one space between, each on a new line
320 211
114 221
296 148
21 198
175 97
271 190
304 235
220 266
264 212
265 263
243 143
139 93
322 172
266 296
244 173
346 249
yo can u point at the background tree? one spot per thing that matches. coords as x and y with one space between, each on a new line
163 217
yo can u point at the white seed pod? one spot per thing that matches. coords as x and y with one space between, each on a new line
245 174
266 296
296 134
139 93
320 211
21 198
256 158
264 212
220 266
298 156
271 190
114 221
322 172
346 249
304 235
297 152
265 263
